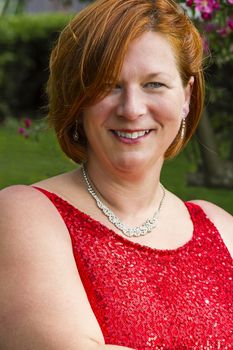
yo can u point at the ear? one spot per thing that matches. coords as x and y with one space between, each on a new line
187 95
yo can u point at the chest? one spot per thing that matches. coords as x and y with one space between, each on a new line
144 298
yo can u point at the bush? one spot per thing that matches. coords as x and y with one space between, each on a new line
25 45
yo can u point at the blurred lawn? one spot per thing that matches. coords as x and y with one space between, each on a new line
24 161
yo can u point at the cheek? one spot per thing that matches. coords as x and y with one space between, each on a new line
99 113
92 118
168 113
95 120
168 110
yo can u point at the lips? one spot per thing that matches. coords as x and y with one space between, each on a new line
131 134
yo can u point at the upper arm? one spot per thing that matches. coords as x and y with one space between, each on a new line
222 220
41 295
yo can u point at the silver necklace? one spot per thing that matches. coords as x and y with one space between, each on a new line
137 231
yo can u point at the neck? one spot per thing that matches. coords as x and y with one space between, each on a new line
127 193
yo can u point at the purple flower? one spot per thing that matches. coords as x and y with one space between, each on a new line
216 6
189 3
230 23
207 7
206 16
21 131
210 27
27 122
222 31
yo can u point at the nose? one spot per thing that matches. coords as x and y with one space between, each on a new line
132 104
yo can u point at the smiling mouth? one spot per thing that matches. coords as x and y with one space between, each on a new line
132 135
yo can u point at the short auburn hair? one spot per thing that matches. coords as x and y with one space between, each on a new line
90 52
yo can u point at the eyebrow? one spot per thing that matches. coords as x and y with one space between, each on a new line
155 75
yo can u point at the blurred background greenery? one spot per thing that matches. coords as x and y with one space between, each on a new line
29 153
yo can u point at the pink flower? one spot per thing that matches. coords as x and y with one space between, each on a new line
189 2
21 131
222 31
27 122
216 6
207 7
230 23
230 2
206 16
210 27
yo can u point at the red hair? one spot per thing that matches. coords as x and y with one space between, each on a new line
90 52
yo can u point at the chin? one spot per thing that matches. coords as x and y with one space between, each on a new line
133 164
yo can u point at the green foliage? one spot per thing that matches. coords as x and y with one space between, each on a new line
25 45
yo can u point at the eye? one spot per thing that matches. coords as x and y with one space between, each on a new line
117 87
109 87
154 85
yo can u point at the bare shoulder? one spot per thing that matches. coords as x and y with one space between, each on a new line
25 206
29 224
20 194
221 219
18 198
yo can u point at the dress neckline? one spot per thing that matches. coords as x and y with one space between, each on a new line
123 239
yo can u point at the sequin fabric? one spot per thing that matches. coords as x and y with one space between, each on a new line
146 298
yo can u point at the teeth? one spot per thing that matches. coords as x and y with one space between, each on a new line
131 135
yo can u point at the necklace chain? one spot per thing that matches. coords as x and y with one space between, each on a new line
137 231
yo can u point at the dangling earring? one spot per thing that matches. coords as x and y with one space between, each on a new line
76 134
183 126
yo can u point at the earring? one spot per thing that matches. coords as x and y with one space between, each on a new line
76 134
183 126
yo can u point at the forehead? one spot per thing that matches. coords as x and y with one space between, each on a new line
150 53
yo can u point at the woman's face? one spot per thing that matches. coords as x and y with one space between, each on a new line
133 126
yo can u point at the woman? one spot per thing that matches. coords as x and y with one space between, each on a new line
105 257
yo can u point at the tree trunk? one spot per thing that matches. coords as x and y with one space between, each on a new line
4 7
231 147
20 6
214 172
13 7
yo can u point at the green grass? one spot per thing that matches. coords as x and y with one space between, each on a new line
24 161
174 177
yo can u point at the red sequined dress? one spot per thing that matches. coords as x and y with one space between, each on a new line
146 298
